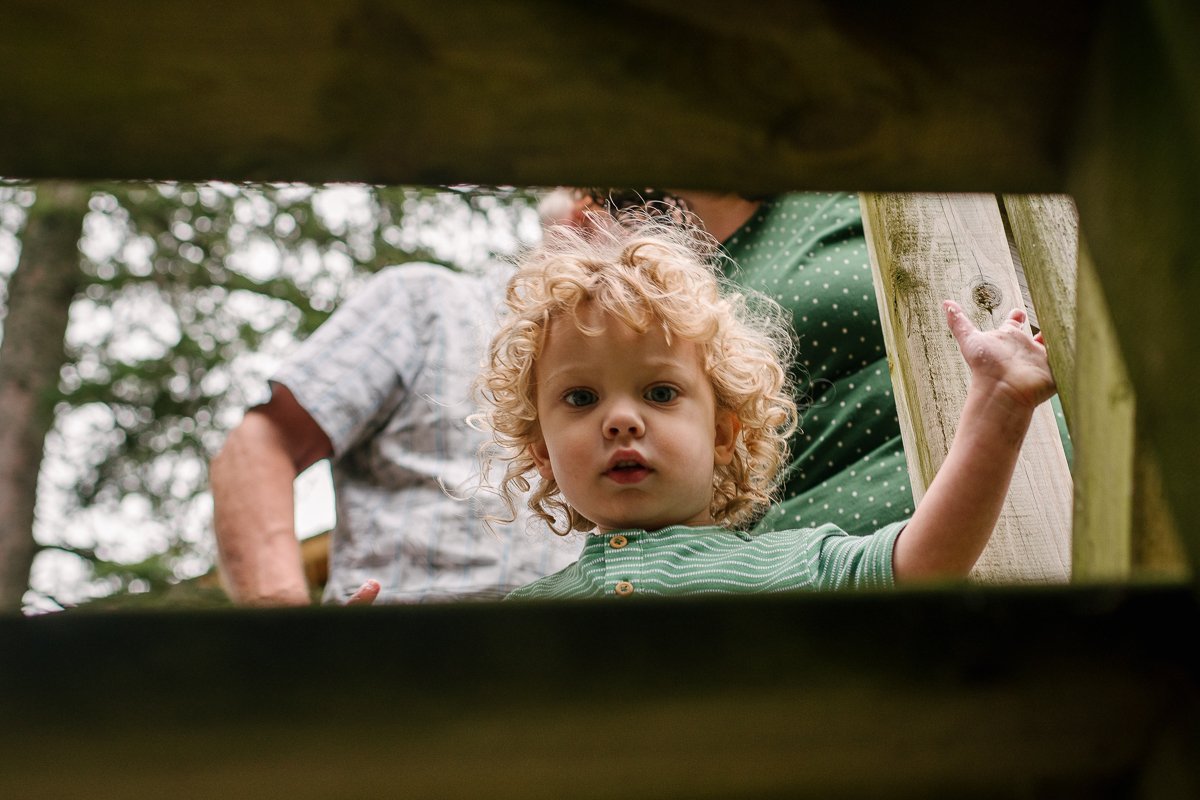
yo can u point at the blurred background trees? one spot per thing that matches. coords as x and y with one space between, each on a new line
140 320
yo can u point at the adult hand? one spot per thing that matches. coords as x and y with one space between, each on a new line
365 595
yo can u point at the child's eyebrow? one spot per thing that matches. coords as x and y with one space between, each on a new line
670 367
567 373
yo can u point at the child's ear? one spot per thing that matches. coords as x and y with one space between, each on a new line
725 442
541 458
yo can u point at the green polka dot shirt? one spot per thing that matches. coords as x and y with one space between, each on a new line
712 560
807 251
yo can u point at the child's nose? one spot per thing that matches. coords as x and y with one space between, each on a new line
623 420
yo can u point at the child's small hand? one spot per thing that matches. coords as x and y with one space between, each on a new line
365 595
1007 361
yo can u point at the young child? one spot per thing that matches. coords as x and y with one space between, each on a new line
647 401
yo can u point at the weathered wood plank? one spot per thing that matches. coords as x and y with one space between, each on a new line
1158 550
1046 230
1136 180
1105 441
1016 693
926 248
1088 366
1121 523
769 96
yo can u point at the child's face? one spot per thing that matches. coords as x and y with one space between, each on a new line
629 425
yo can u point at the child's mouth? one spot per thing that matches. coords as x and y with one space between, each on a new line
627 472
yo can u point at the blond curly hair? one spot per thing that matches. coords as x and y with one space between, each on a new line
645 273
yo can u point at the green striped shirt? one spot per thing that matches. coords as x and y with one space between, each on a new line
711 560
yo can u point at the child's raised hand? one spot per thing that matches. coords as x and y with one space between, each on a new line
1007 360
1010 376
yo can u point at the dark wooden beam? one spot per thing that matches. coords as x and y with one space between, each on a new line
961 693
1135 175
941 94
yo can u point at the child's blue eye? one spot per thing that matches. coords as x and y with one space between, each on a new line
661 394
580 397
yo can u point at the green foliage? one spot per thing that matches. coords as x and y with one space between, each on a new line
191 293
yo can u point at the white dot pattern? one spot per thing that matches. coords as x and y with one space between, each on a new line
807 251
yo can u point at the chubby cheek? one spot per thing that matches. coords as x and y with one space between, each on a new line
556 461
570 461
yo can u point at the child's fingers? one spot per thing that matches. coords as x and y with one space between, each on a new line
960 324
365 594
1017 317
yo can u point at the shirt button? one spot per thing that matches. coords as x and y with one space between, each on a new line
617 542
624 588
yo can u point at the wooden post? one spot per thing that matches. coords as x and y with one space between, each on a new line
1123 527
1105 437
1046 231
1157 549
925 248
1134 171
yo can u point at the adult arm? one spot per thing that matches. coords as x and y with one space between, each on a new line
1010 377
254 501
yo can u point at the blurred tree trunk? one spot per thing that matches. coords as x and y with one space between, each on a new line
39 299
